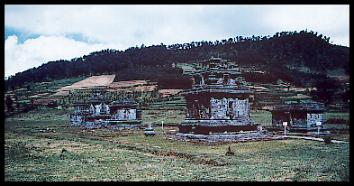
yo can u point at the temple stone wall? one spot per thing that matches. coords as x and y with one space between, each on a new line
101 109
75 120
297 119
125 114
228 108
312 118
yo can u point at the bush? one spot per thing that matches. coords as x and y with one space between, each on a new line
327 139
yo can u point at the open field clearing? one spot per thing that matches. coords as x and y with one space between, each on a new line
262 117
103 80
41 149
90 82
107 81
170 117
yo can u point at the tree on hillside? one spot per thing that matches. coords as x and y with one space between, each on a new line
326 89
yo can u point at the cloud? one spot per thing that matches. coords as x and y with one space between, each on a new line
34 52
329 20
132 25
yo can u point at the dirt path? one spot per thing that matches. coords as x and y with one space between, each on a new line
315 139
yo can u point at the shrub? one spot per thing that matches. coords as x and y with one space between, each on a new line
327 139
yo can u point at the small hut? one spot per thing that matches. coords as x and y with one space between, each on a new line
125 111
99 111
300 115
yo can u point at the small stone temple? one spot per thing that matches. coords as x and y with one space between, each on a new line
298 115
218 102
125 111
100 112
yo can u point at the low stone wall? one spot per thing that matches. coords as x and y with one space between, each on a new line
206 129
97 125
218 122
123 127
233 137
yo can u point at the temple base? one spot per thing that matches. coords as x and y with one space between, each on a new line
208 126
229 137
110 124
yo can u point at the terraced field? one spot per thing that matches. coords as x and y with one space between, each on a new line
170 103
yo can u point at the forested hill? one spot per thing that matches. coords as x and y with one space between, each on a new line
285 54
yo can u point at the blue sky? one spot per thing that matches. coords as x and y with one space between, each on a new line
36 34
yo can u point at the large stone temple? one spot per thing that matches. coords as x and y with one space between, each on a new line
218 102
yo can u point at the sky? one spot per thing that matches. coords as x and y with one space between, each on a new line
36 34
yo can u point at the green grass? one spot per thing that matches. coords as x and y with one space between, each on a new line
101 155
55 84
50 87
171 103
173 117
337 115
43 113
265 117
262 117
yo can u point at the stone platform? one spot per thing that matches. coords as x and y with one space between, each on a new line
228 137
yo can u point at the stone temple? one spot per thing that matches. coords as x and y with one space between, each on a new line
300 116
100 112
218 102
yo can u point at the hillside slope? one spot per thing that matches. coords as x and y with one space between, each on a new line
297 57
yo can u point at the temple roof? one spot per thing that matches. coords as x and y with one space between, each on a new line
312 106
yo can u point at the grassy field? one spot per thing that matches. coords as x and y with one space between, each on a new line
337 115
33 153
265 118
171 117
262 117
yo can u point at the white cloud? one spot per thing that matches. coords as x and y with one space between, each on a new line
108 24
34 52
329 20
131 25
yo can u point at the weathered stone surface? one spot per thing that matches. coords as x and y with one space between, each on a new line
218 101
235 137
218 122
